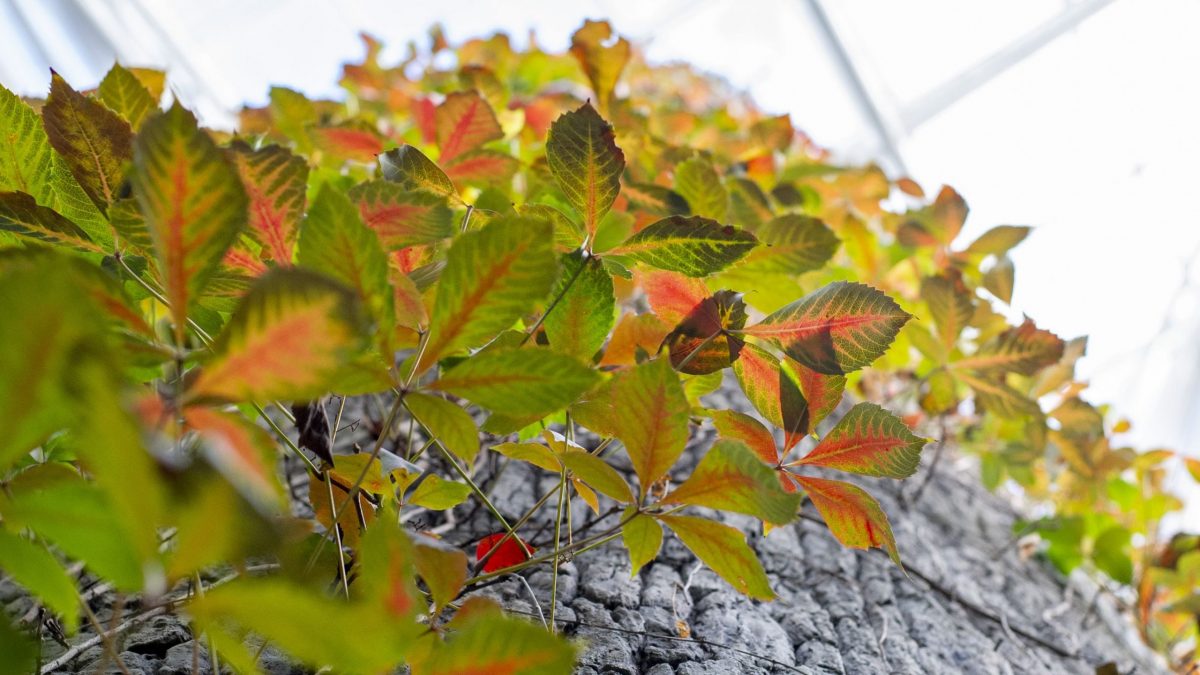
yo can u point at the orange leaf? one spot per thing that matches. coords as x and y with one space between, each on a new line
650 413
869 441
853 516
275 181
291 334
634 332
464 121
739 426
239 450
773 388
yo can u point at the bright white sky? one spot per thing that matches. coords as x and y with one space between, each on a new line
1093 139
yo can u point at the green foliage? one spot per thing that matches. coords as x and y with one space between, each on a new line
482 241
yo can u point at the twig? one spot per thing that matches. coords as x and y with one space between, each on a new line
533 596
933 466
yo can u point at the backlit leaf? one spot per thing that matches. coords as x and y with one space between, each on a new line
870 441
603 56
521 382
723 549
452 426
289 337
792 244
853 516
580 322
634 334
21 214
950 306
275 181
123 93
699 184
483 167
693 246
999 279
534 453
193 202
773 387
586 163
731 478
836 329
94 141
656 199
995 396
650 412
702 342
643 538
334 241
412 170
823 392
1024 349
672 296
493 276
464 121
402 217
999 240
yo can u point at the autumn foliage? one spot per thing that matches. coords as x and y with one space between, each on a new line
544 258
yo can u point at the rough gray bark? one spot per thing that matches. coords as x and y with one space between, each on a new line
838 610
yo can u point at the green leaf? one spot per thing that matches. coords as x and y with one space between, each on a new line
293 114
412 170
996 397
586 162
193 201
656 199
21 214
493 277
650 416
31 166
1111 553
643 538
452 426
439 494
95 142
836 329
534 453
334 241
40 573
299 623
20 651
403 217
869 441
693 246
79 519
288 339
724 550
853 516
490 642
700 185
579 324
275 181
124 94
444 570
731 478
596 473
529 382
792 244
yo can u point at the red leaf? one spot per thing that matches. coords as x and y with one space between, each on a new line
672 295
463 122
510 553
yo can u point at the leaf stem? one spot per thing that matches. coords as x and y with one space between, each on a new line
553 303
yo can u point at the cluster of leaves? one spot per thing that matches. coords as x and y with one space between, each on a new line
572 248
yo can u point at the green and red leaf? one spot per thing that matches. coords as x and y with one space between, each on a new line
579 324
738 426
870 441
853 516
650 413
22 215
731 478
125 95
774 389
412 170
241 451
1024 349
724 550
531 382
603 56
95 142
291 334
464 122
493 276
792 244
586 162
694 246
836 329
275 182
703 341
193 203
402 217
